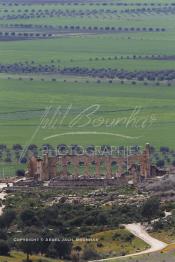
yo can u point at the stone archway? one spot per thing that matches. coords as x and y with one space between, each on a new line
76 165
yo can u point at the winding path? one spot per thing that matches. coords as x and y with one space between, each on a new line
139 231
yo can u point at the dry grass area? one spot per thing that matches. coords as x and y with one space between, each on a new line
20 256
154 257
114 243
167 237
169 248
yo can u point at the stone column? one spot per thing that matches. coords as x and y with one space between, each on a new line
120 166
76 166
97 161
145 162
52 167
142 169
45 169
64 165
86 166
32 166
108 167
39 170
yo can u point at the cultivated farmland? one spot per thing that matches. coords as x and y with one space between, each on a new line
106 71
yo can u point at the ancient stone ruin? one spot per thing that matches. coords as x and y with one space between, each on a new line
55 169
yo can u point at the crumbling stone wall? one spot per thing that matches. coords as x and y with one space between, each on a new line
46 168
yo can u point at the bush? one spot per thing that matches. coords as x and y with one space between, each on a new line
60 250
7 218
28 217
90 253
151 208
4 248
3 234
20 173
99 245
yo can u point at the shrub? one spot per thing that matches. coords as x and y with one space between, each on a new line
4 248
90 253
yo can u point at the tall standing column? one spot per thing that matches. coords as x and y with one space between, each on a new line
108 167
32 166
76 166
39 170
86 165
147 160
97 161
64 165
52 167
45 172
120 167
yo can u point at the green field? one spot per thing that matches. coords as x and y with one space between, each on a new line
23 101
22 104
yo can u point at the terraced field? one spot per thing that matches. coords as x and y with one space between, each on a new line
106 70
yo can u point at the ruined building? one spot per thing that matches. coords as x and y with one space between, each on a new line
56 168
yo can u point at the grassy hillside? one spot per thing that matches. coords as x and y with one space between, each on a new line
19 256
114 243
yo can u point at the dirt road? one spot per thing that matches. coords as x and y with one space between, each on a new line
139 231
